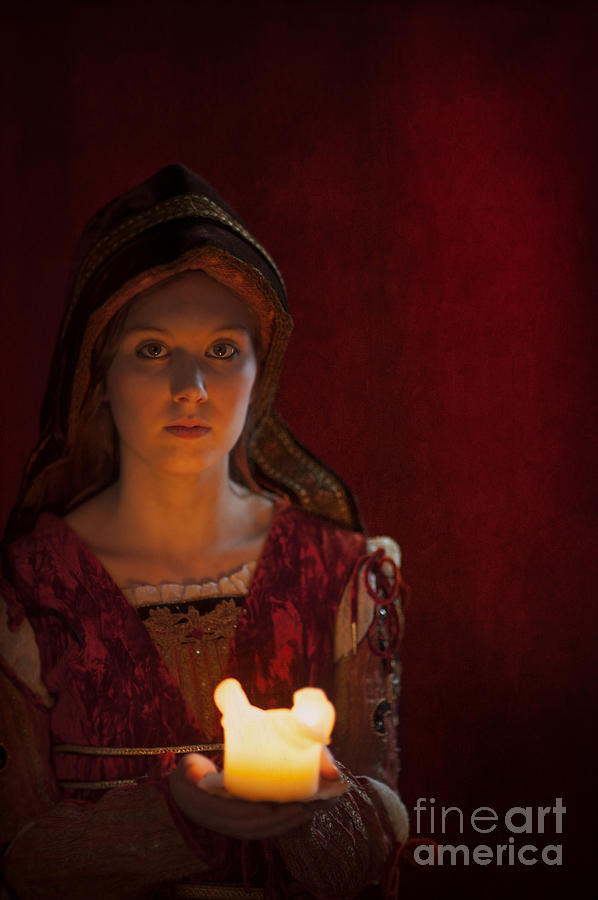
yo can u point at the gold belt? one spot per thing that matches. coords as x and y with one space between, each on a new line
99 785
86 750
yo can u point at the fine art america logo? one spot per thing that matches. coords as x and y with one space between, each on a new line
532 824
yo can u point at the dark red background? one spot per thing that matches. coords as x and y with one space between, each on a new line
425 175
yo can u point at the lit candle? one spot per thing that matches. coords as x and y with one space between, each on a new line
273 754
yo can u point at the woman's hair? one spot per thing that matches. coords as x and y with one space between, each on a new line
94 459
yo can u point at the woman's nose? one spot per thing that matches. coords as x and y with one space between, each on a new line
187 381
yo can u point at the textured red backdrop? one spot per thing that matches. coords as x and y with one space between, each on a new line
425 175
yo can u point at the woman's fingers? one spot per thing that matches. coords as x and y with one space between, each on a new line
194 766
328 767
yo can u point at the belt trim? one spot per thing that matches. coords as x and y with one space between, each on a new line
87 750
98 785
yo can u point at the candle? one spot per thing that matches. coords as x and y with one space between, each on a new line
273 754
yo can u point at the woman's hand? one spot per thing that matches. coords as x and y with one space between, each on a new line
248 819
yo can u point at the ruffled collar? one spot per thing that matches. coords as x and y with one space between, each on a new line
232 584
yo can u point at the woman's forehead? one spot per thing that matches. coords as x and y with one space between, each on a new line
191 297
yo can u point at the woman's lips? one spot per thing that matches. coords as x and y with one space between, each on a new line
188 432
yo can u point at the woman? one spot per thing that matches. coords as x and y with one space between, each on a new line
171 532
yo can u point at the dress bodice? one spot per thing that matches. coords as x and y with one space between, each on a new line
193 626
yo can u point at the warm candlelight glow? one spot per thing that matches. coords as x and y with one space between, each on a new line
273 754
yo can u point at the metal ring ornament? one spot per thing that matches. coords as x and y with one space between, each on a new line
384 594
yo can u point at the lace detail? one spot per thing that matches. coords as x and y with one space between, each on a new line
234 583
191 627
195 646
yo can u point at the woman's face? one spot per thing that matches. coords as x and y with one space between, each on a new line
180 383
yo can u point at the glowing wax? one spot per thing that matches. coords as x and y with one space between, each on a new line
273 754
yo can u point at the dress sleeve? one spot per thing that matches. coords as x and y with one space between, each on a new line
346 847
124 844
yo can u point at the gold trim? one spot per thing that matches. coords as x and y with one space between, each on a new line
317 490
180 207
216 892
86 750
97 785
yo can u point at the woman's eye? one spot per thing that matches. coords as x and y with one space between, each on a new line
223 350
152 350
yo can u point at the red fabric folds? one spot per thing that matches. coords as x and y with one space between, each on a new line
111 686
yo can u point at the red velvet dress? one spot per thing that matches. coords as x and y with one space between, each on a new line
112 689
